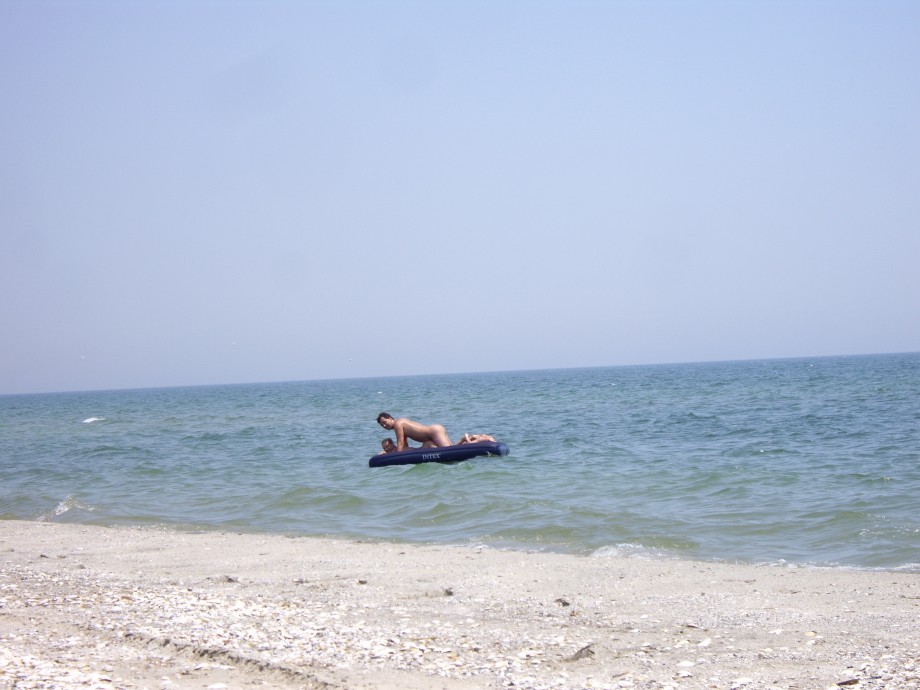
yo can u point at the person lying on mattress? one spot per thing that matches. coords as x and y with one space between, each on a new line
475 438
430 436
388 445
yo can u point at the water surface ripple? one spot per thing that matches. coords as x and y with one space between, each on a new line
808 461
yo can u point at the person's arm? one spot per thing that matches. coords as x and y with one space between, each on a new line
399 428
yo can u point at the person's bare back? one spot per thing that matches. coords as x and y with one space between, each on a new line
430 435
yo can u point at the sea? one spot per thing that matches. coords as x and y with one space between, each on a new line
810 462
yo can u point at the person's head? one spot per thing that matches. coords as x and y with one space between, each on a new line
388 445
385 419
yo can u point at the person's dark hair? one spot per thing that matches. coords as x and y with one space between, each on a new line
384 415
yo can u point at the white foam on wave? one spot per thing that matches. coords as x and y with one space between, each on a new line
633 551
90 420
65 506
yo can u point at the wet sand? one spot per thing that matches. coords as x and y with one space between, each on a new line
106 607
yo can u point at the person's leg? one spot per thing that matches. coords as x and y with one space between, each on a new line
439 435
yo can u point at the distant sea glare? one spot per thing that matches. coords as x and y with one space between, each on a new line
795 461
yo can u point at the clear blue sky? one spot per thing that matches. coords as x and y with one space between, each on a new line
220 192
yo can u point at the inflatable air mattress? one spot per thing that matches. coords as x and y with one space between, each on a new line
414 456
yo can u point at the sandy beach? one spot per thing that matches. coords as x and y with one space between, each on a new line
104 607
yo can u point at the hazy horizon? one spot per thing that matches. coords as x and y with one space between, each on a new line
455 373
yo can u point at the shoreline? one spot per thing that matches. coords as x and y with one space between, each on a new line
615 551
128 607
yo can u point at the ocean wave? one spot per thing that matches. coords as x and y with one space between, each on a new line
71 503
634 551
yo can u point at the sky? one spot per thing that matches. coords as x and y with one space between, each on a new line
206 192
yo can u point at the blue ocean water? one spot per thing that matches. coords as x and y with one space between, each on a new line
803 461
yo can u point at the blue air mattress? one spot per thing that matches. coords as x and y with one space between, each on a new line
414 456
